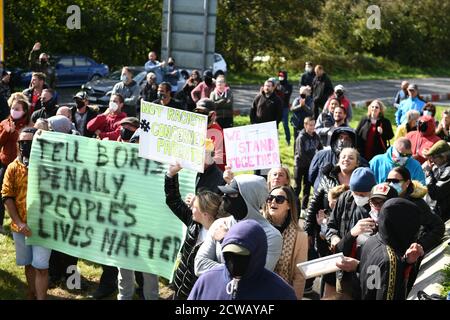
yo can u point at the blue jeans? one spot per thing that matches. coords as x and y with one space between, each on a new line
285 119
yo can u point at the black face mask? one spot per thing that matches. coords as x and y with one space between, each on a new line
303 96
235 206
47 105
126 134
80 104
423 126
338 145
236 264
25 148
171 63
339 94
161 96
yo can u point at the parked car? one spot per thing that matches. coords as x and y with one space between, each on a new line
220 66
72 70
99 90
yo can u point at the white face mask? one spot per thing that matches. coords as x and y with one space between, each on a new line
123 78
374 215
113 106
427 113
16 114
360 201
308 69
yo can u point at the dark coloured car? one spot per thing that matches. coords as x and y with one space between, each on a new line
99 90
72 70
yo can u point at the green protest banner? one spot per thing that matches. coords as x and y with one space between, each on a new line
98 200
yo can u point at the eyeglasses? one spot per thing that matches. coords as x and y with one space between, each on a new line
278 199
393 180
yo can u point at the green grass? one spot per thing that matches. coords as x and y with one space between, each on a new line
403 72
446 281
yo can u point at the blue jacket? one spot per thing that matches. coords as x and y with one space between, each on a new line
258 283
383 163
405 106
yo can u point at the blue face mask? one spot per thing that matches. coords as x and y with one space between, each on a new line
397 186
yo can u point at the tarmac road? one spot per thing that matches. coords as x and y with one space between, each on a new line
355 91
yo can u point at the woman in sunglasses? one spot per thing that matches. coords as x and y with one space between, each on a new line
281 211
374 131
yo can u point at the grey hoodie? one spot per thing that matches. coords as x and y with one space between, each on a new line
253 190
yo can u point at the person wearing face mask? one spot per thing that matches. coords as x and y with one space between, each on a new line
9 133
350 218
83 113
395 156
302 107
424 138
432 227
39 62
437 173
266 106
204 88
243 198
34 258
413 102
286 89
171 75
243 274
393 250
374 131
339 94
307 78
49 106
106 125
128 127
164 97
341 137
129 89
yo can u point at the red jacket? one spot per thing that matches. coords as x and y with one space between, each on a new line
107 124
420 141
8 140
215 133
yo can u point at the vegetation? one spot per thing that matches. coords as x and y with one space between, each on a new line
446 281
414 37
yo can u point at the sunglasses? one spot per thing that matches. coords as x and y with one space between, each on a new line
278 199
393 180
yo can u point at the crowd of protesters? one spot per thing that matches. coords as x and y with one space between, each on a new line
377 199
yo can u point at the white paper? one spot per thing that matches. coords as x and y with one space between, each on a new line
317 267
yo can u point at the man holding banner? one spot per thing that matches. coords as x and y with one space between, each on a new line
35 258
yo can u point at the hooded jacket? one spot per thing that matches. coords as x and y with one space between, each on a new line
328 155
421 141
386 249
438 184
286 88
266 109
253 190
257 283
382 164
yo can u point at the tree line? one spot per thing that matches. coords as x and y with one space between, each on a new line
115 32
